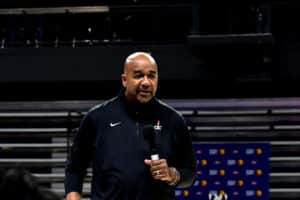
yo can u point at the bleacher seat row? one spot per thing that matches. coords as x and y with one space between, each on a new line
38 135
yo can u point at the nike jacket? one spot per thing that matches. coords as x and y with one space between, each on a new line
110 140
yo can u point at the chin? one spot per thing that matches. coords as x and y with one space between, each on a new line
144 100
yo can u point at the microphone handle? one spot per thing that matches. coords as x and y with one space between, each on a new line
155 157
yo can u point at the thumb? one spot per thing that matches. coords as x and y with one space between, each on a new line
147 162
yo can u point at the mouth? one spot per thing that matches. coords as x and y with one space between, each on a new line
144 92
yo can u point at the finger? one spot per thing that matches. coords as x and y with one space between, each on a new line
155 168
159 162
157 175
148 162
155 163
161 167
164 178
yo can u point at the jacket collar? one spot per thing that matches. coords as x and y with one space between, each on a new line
138 109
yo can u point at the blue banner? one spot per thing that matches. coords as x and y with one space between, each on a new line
230 171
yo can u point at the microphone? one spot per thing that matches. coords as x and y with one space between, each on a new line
150 136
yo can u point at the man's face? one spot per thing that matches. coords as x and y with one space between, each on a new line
140 79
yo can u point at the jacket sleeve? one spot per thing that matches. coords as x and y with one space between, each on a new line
185 158
80 156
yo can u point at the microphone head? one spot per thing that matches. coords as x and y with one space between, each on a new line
150 137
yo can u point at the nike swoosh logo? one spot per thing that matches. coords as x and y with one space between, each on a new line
114 124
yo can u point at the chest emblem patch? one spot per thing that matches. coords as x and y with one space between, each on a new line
157 127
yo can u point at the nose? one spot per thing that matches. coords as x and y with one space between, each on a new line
146 81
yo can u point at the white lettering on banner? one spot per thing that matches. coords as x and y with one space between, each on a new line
214 196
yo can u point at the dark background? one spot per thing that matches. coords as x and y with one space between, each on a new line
219 51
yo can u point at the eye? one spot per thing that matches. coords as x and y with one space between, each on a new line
138 75
152 75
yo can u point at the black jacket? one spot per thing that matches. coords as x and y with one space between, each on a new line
111 137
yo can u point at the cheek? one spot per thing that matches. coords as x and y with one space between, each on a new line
133 85
155 83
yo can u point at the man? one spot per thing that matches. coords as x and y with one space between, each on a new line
111 137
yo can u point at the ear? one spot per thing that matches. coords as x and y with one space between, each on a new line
124 80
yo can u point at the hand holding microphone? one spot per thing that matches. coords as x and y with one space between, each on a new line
158 167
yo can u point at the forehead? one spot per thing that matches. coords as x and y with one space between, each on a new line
141 65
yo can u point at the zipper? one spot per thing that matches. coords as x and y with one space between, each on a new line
137 128
137 124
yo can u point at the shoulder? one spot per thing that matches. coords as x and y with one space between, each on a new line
170 110
103 108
